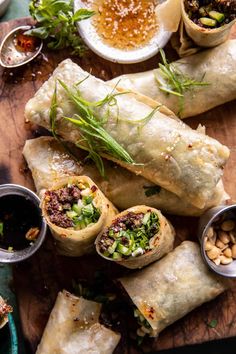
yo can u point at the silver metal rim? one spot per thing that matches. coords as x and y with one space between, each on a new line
19 256
205 222
26 61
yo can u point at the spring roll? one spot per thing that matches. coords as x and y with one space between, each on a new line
165 151
48 162
217 68
136 237
5 309
76 211
170 288
73 328
209 25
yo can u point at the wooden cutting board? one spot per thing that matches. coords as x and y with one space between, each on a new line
38 280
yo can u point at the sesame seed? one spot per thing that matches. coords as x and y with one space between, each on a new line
125 24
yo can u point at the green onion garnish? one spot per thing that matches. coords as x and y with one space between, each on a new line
175 82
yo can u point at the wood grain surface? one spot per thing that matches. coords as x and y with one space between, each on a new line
38 280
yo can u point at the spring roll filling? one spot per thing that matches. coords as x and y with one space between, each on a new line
144 325
72 206
129 235
211 13
5 309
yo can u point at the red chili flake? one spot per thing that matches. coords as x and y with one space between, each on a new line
26 43
93 188
150 312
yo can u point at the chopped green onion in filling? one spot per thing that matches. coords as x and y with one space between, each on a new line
129 235
211 13
72 206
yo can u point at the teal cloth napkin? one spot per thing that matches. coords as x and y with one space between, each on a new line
16 9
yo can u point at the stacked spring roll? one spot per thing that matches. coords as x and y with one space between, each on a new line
168 289
76 211
5 309
136 237
49 162
205 24
73 328
160 148
216 67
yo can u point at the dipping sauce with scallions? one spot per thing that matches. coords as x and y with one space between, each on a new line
20 222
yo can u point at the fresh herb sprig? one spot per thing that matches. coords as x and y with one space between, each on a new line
94 138
57 23
175 82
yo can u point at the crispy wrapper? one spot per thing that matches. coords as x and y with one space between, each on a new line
170 288
73 328
72 242
160 244
48 162
216 67
205 37
166 151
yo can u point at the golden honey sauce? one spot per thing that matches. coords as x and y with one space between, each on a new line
125 24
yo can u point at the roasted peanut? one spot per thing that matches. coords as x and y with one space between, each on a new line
210 232
224 237
213 253
227 225
213 238
227 253
208 246
232 236
233 251
32 233
220 244
216 261
225 260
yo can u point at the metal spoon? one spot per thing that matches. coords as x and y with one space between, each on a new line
11 56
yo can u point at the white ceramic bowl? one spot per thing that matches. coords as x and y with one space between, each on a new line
3 6
95 43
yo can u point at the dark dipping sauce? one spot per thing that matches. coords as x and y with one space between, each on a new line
17 216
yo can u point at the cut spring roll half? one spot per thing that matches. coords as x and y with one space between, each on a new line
48 162
161 149
5 309
216 67
76 211
208 23
170 288
136 237
73 328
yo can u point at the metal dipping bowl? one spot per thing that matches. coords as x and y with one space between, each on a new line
8 50
205 222
21 255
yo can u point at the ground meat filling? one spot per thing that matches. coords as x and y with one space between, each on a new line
211 13
129 235
72 206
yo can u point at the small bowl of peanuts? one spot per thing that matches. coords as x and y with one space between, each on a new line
217 235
